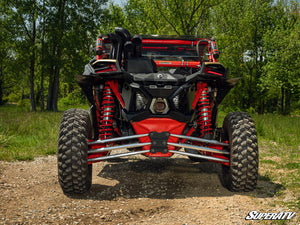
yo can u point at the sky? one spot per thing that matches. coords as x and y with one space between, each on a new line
119 2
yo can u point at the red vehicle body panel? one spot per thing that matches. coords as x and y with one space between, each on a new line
158 125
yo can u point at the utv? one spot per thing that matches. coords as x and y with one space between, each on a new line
156 96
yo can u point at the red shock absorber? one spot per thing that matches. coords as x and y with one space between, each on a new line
107 113
204 111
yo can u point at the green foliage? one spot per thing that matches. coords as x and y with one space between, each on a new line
260 43
281 68
239 27
25 103
49 42
160 17
74 98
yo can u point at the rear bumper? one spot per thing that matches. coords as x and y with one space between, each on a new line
208 149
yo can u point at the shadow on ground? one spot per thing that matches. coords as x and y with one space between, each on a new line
163 178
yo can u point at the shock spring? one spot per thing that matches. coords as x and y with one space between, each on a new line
106 114
204 111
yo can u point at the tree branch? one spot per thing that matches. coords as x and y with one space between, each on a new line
151 20
181 17
26 29
166 18
195 9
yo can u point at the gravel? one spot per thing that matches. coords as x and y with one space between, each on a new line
129 191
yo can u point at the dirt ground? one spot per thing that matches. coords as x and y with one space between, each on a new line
130 191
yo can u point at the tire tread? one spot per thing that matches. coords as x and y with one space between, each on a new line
74 173
239 129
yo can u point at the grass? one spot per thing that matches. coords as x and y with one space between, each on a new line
25 135
282 130
279 149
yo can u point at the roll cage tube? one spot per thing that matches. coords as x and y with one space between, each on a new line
191 52
165 51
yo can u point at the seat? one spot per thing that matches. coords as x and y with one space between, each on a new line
140 65
135 62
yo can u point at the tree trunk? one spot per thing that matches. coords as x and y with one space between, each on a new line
42 90
261 108
55 89
287 105
282 101
250 95
43 61
50 90
31 83
32 63
57 52
1 85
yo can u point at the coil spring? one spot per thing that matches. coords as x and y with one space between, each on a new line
107 113
204 111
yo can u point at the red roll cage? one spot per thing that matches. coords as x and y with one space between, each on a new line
170 51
